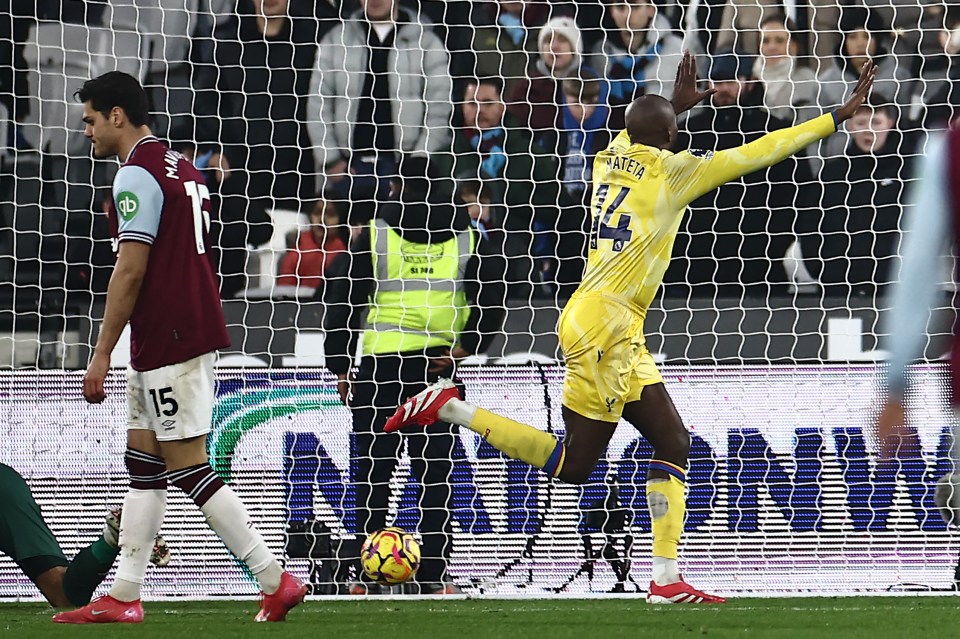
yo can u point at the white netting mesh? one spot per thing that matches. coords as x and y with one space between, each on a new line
303 114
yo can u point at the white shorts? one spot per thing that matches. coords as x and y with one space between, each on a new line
175 402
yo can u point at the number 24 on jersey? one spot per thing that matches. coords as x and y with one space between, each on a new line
601 229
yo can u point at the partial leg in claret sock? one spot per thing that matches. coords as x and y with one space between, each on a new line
228 517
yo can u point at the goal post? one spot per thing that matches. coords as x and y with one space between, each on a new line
768 329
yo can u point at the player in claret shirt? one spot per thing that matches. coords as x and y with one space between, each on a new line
164 285
641 191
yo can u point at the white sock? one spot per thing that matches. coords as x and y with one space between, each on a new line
665 571
457 411
228 517
142 517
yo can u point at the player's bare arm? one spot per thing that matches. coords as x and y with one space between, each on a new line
122 294
651 121
868 74
685 93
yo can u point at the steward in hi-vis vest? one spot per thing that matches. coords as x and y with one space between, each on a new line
421 288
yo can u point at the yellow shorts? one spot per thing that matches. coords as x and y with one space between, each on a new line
607 360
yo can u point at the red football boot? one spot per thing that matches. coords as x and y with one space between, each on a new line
680 593
422 408
276 606
106 609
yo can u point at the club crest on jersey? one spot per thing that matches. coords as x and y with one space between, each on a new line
127 205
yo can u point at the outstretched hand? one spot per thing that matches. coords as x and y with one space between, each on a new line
685 94
867 75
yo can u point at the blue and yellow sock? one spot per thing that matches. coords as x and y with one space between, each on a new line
666 499
520 441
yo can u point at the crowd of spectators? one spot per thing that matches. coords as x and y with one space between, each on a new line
312 107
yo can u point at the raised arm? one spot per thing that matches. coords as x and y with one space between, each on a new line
693 173
685 93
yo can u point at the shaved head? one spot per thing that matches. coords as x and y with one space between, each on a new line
652 121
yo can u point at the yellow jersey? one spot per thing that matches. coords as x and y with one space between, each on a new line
640 194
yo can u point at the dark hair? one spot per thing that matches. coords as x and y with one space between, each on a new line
776 16
413 175
469 186
879 103
116 89
491 80
475 188
730 64
332 202
798 36
854 19
583 83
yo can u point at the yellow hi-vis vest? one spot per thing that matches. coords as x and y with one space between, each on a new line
418 299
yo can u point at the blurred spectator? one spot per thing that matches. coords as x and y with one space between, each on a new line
307 262
456 21
639 54
264 59
18 17
863 39
584 113
936 94
327 12
817 20
236 222
381 86
493 148
479 205
154 41
850 241
503 40
790 89
90 256
535 102
733 239
915 23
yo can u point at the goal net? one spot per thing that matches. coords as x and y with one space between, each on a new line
310 120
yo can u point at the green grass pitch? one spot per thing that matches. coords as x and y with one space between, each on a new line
844 618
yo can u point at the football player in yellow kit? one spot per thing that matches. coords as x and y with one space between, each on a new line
641 191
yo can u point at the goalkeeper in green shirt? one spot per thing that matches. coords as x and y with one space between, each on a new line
26 538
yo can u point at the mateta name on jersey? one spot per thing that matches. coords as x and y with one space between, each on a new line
627 165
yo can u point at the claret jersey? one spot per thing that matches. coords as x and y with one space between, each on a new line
160 198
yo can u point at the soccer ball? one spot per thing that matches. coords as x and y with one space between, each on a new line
390 556
947 498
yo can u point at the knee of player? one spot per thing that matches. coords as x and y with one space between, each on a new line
679 443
